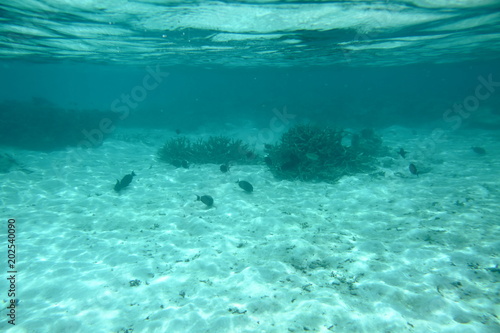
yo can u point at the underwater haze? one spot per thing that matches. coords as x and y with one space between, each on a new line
250 166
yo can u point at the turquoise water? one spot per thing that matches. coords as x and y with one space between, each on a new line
91 90
349 63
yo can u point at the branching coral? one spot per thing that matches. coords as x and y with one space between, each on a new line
215 149
313 153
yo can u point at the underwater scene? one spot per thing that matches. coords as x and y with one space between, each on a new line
250 166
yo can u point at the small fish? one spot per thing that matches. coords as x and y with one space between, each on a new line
413 169
268 161
245 185
478 150
312 156
224 168
177 131
402 152
206 199
185 164
126 180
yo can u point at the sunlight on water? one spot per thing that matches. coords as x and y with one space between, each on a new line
250 33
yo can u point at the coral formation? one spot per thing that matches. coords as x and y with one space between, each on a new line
215 149
176 149
41 125
314 153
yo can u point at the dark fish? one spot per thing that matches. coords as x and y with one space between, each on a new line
245 186
117 186
268 161
178 131
402 152
479 150
126 180
413 169
224 168
180 163
206 199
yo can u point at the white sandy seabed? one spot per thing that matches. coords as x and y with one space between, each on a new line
379 253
